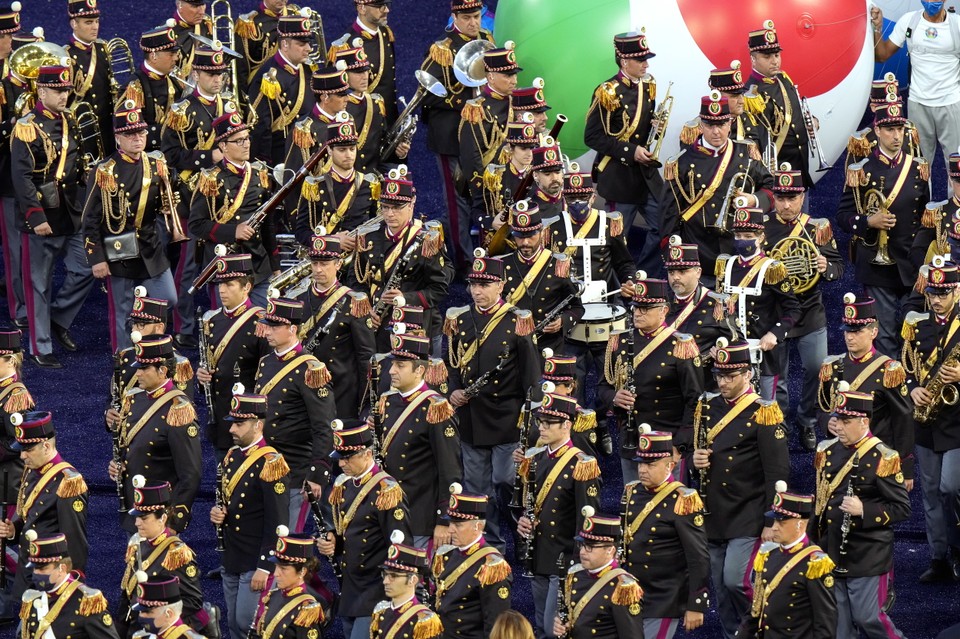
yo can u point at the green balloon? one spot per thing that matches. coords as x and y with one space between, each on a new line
570 45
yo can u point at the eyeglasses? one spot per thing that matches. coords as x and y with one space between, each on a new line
241 142
387 574
940 293
591 546
728 377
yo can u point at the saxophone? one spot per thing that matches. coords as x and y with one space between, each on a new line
941 392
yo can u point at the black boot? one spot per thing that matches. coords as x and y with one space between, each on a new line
938 572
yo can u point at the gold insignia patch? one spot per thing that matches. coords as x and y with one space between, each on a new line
903 390
634 609
592 491
503 593
398 514
191 571
698 520
313 633
899 478
449 431
592 437
828 581
697 361
785 287
279 488
78 505
779 434
192 431
323 391
369 323
107 619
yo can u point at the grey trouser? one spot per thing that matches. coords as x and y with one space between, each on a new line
940 478
12 266
544 589
936 124
731 562
812 349
660 628
489 470
859 605
888 306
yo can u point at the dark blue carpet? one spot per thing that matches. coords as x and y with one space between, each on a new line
77 394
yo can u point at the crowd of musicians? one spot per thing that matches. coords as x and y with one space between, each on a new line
375 448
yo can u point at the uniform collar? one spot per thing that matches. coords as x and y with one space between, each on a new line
867 356
625 79
702 146
490 93
394 237
321 115
886 159
234 168
6 381
473 547
180 21
159 538
236 312
543 197
653 333
165 387
339 177
533 259
560 450
289 353
285 64
756 76
268 12
731 402
169 629
128 159
54 461
260 443
747 261
661 486
45 112
490 310
293 591
599 572
80 44
410 394
152 73
206 100
363 29
796 545
406 604
326 292
365 476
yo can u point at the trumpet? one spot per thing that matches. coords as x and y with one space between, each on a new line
121 64
406 125
658 127
169 201
722 224
815 146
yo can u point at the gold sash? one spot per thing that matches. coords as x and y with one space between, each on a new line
44 624
746 400
249 461
296 361
650 505
935 355
129 577
787 116
288 116
484 334
762 594
552 477
629 131
45 479
164 399
871 368
825 489
708 192
398 249
329 303
535 270
404 618
470 562
231 333
602 582
290 606
144 189
227 212
86 81
687 311
416 403
372 483
658 339
345 204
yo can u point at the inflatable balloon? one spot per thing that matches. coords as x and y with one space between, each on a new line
827 50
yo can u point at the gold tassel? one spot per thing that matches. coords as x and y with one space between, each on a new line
390 495
178 556
524 324
823 234
826 372
889 462
627 592
177 118
360 305
923 168
776 273
689 133
920 284
375 190
25 608
264 176
720 267
769 414
440 411
310 615
72 485
819 565
162 167
441 53
754 105
858 146
336 48
382 403
606 96
207 183
760 560
893 374
375 621
274 468
698 412
494 570
684 346
491 179
472 111
688 502
718 310
302 137
19 401
93 603
134 92
821 455
449 326
127 403
245 28
270 88
586 468
616 224
428 626
183 372
131 552
670 171
105 178
908 331
524 466
182 413
613 343
754 151
317 374
439 561
561 265
929 218
586 420
310 191
24 130
431 245
855 177
261 330
504 156
436 372
336 495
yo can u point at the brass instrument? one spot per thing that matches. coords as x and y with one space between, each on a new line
874 201
940 391
169 199
26 61
812 135
799 256
88 128
186 84
224 39
724 220
317 57
406 124
121 65
468 63
658 127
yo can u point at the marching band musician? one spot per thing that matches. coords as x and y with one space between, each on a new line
442 118
190 18
368 507
547 167
227 197
939 232
92 70
280 91
234 348
53 497
378 46
288 610
735 435
160 604
809 332
420 445
46 178
253 503
859 489
402 615
538 279
59 602
792 584
531 100
335 327
385 266
882 205
158 433
661 365
129 193
602 599
566 484
338 200
298 390
152 88
491 337
675 586
256 32
499 183
929 340
704 179
746 112
473 579
862 143
618 126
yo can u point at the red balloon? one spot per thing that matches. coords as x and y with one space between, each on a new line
821 39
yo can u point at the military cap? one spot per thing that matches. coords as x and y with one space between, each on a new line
296 27
501 60
396 187
407 316
233 266
292 549
409 347
342 133
245 406
149 310
10 18
679 255
649 291
788 505
228 125
152 350
731 356
210 60
128 118
848 403
162 38
331 80
82 9
633 45
155 592
764 40
889 114
530 98
10 342
526 218
940 274
653 445
558 407
857 313
714 108
486 268
54 77
464 505
787 181
598 527
465 6
728 80
577 184
31 428
558 368
149 496
747 218
325 248
355 58
46 549
522 133
403 557
350 439
547 158
883 89
282 311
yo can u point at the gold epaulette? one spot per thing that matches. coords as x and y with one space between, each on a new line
181 413
450 319
627 592
310 191
909 330
378 612
440 559
390 494
894 374
275 468
384 398
856 176
769 413
177 118
105 178
492 179
586 468
606 96
923 169
245 27
762 553
381 104
473 111
524 321
786 77
25 130
586 420
615 223
440 410
336 493
317 374
684 346
561 265
302 137
821 455
690 131
889 463
269 87
930 217
720 266
27 599
359 304
208 184
436 372
858 146
753 151
670 168
390 36
651 85
432 242
819 565
18 400
441 53
495 569
92 603
914 134
183 372
823 233
826 371
688 502
776 273
428 625
755 104
161 161
263 174
178 556
134 92
341 44
311 614
72 484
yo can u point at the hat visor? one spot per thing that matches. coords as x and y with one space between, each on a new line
134 512
526 232
647 56
853 328
18 447
777 516
731 368
934 289
272 322
343 454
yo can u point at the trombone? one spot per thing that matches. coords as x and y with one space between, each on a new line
88 128
169 201
121 64
406 125
318 57
224 39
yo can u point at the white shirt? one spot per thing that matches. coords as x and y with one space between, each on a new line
935 75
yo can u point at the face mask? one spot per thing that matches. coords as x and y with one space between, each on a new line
932 8
745 248
41 582
578 208
148 624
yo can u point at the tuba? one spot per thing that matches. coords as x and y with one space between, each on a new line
468 63
26 62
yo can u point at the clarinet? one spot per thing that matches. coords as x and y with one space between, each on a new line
396 275
516 499
474 389
3 516
631 434
220 503
325 329
559 308
322 528
529 511
375 407
205 363
700 433
116 382
563 610
847 523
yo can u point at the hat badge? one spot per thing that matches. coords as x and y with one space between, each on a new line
511 57
217 57
547 401
786 179
676 252
723 355
642 42
271 307
778 500
346 129
641 288
714 108
576 181
850 312
770 36
645 443
738 76
34 549
550 155
65 75
396 342
319 244
893 110
137 496
523 219
549 366
528 131
133 117
235 119
393 552
138 347
587 524
18 433
138 303
361 56
841 400
478 265
235 403
397 313
393 188
337 440
453 502
937 276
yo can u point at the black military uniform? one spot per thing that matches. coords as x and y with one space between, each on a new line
335 329
185 42
501 181
473 583
874 373
666 523
14 398
861 144
898 185
160 591
663 368
258 39
939 229
366 511
378 47
605 602
291 613
414 258
71 610
792 583
411 618
542 282
92 76
158 436
698 180
367 109
150 90
280 95
547 159
557 370
749 125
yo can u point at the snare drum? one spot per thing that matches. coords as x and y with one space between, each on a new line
598 321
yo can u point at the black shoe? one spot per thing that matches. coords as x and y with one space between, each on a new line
890 600
216 573
185 342
954 562
939 571
63 338
22 324
808 438
47 361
